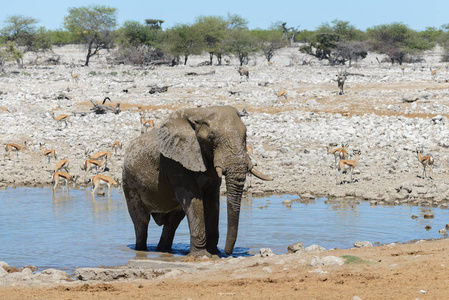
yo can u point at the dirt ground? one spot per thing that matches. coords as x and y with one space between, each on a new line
407 271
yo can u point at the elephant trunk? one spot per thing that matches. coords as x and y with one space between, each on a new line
234 190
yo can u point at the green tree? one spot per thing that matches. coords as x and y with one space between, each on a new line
135 34
10 53
94 25
269 41
242 44
184 40
22 32
19 29
396 40
213 30
337 42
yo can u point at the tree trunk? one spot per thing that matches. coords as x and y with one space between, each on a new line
211 56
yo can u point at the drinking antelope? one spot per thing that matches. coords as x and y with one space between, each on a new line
63 176
97 180
426 161
345 164
14 147
49 153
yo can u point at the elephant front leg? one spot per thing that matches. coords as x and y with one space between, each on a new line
171 222
212 216
195 216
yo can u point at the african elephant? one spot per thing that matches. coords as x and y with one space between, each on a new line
177 169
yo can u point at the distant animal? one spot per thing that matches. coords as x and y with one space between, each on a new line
282 93
243 71
49 153
433 73
244 112
75 77
101 154
62 118
341 78
10 147
339 153
345 164
63 163
116 145
90 164
146 123
426 161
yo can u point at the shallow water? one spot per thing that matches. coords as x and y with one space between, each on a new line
71 230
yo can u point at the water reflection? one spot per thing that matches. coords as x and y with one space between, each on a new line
69 230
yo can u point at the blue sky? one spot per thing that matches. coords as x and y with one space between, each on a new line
260 13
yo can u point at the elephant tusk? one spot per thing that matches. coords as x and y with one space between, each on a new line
260 175
219 172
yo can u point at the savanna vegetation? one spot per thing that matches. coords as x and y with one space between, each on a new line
140 43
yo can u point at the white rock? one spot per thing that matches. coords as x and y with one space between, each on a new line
327 261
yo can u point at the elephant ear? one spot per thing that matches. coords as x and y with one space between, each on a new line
177 140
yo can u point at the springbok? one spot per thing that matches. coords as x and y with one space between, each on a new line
426 161
345 164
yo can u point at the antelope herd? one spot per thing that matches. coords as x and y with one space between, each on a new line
99 160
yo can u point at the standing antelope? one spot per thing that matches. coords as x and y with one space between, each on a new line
426 161
146 123
345 164
97 180
341 77
14 147
117 145
433 73
63 176
48 153
339 153
63 163
75 77
62 118
282 93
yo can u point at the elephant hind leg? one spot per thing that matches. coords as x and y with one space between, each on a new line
171 222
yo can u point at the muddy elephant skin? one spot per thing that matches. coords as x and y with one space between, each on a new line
176 170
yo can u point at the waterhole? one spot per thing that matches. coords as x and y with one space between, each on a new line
71 230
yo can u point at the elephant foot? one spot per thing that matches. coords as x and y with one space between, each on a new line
163 248
141 247
200 253
213 251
